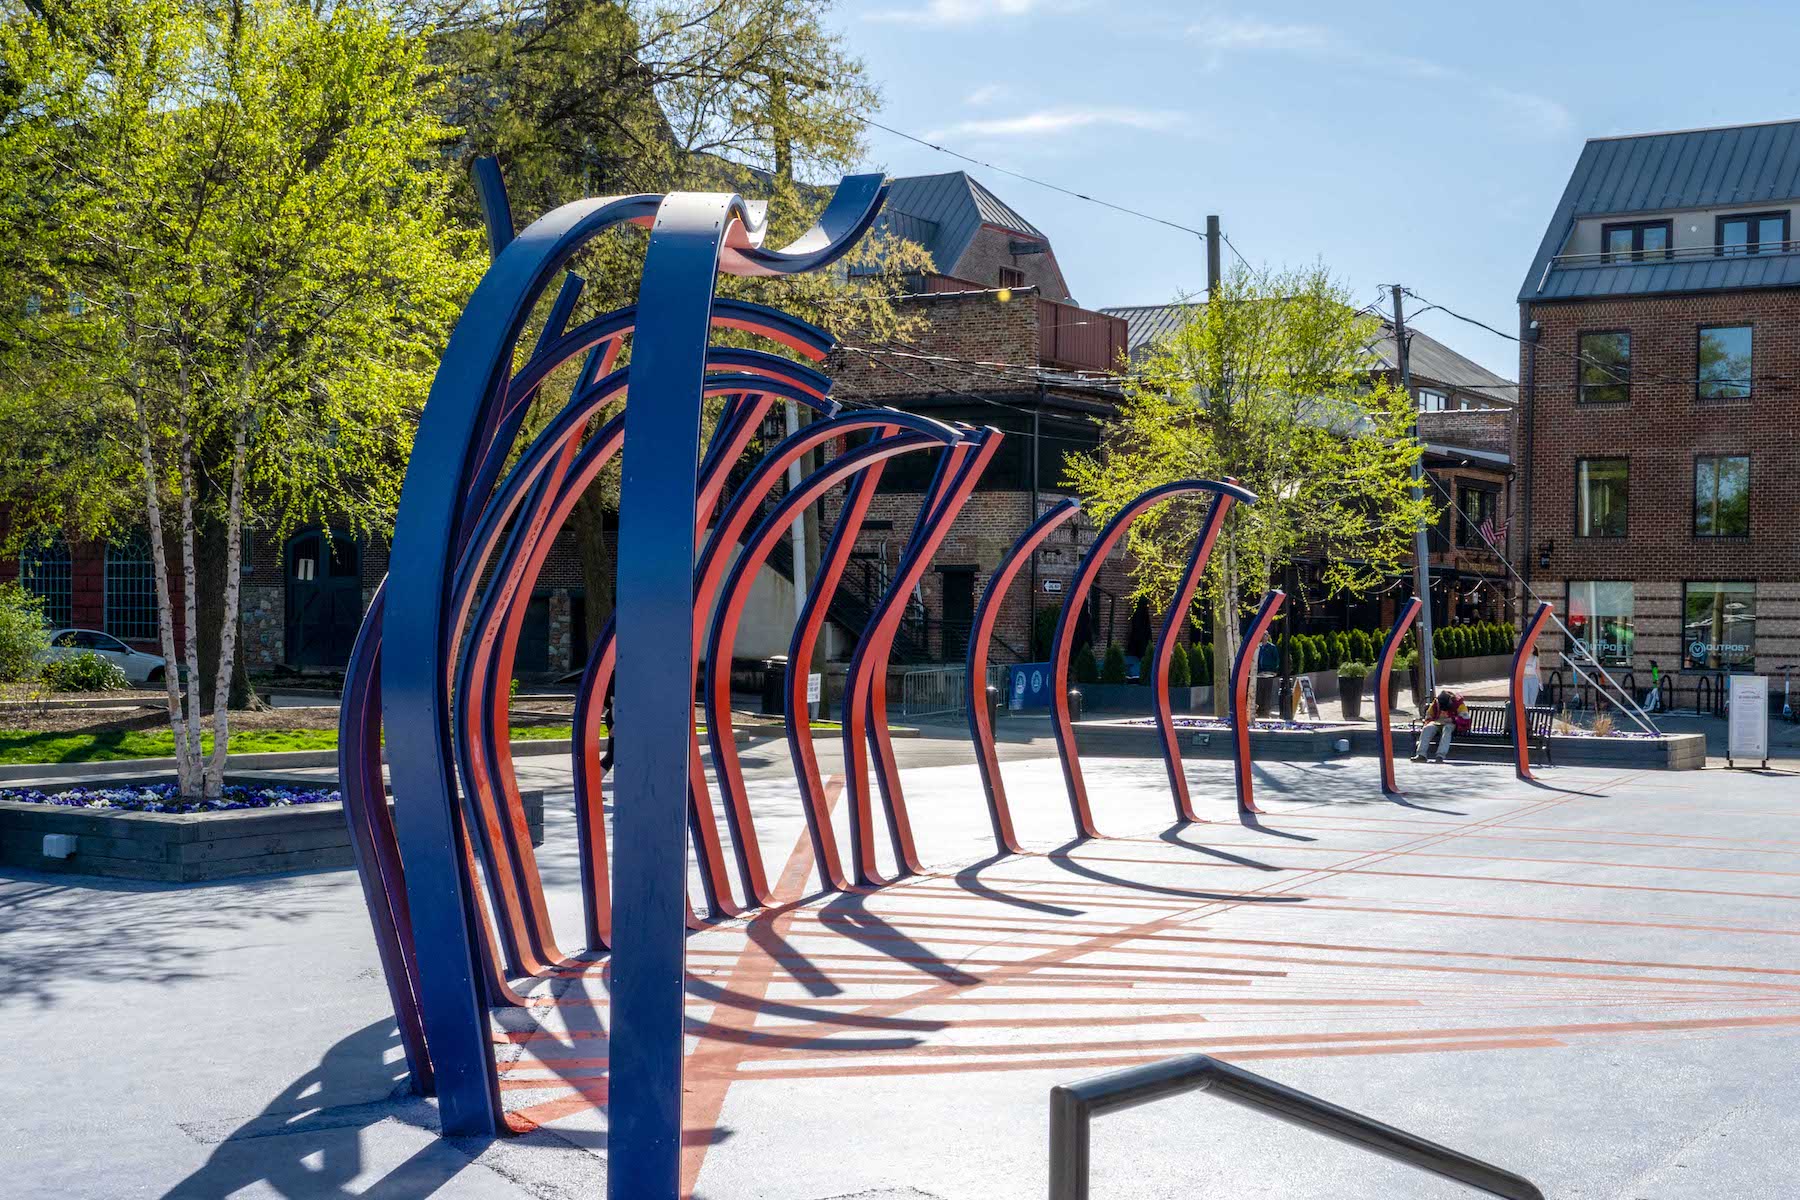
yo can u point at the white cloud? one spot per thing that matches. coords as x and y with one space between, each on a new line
1541 113
1250 33
955 12
985 94
1057 120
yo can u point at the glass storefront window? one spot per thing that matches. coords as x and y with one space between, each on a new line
1718 625
1602 617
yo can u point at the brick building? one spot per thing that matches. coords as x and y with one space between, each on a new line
1660 327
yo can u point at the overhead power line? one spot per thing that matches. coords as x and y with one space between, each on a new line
1132 212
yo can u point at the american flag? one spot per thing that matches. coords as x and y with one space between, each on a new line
1491 533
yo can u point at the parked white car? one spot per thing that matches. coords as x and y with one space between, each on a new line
139 667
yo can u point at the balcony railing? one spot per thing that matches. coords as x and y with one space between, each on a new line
1631 258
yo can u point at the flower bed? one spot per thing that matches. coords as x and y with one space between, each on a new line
1260 725
167 798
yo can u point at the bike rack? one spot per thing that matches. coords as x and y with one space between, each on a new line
1072 1106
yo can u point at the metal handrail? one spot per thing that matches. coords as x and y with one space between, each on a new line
1072 1105
1625 258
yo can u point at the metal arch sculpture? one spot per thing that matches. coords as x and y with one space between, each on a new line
1079 587
1516 696
981 725
1384 670
1242 668
865 704
418 872
919 433
1166 641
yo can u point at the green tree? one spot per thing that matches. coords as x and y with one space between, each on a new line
1273 382
1179 673
265 277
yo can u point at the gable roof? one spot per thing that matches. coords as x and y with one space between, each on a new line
943 213
1432 361
1726 167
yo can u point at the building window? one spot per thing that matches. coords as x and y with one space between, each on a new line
1752 233
1601 618
1724 362
1605 367
45 572
1479 507
1718 625
1634 241
131 590
1722 495
1601 485
1432 400
1011 277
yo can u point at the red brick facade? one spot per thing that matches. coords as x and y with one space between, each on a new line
1660 430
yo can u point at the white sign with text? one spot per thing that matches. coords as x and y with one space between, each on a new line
812 688
1749 732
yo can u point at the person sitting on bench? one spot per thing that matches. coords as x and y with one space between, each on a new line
1446 714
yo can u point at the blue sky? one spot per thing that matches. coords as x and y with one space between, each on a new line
1415 143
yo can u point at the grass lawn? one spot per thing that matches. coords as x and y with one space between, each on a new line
114 745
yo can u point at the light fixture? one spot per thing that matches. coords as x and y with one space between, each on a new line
1544 553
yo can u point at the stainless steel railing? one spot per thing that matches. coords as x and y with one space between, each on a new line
1074 1105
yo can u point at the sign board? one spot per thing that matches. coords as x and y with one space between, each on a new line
1748 736
1053 586
1028 686
1308 700
812 688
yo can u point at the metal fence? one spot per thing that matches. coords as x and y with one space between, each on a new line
940 690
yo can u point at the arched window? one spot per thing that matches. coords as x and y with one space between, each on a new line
44 572
130 589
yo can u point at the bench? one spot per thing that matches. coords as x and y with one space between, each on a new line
1491 725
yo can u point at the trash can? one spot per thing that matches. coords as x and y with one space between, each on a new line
1265 694
1074 704
774 684
1289 698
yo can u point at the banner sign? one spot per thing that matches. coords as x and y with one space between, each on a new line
1028 686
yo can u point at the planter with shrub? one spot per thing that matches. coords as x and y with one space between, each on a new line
1351 677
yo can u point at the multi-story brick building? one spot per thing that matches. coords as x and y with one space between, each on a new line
1660 330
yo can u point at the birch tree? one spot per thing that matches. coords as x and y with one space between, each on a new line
1274 381
247 204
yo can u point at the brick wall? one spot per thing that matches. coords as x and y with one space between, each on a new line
1477 429
979 328
1660 430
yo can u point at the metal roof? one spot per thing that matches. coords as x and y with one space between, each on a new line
943 213
1727 167
1432 361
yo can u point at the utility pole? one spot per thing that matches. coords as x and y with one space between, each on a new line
1421 537
1212 255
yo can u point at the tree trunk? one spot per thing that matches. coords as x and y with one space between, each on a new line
228 618
1225 630
191 772
588 522
165 609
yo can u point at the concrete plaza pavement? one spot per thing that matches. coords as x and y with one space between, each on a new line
1593 982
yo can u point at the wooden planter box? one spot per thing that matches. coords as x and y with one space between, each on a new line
182 848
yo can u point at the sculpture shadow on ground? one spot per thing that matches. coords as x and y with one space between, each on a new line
1063 858
308 1142
1250 820
1173 837
969 880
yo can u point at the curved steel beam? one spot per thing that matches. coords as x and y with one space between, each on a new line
729 609
1384 669
1516 696
713 564
795 706
1165 649
1079 587
981 725
1242 669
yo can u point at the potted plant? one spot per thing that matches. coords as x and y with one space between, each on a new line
1407 661
1351 676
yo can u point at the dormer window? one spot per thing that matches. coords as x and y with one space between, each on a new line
1752 233
1634 241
